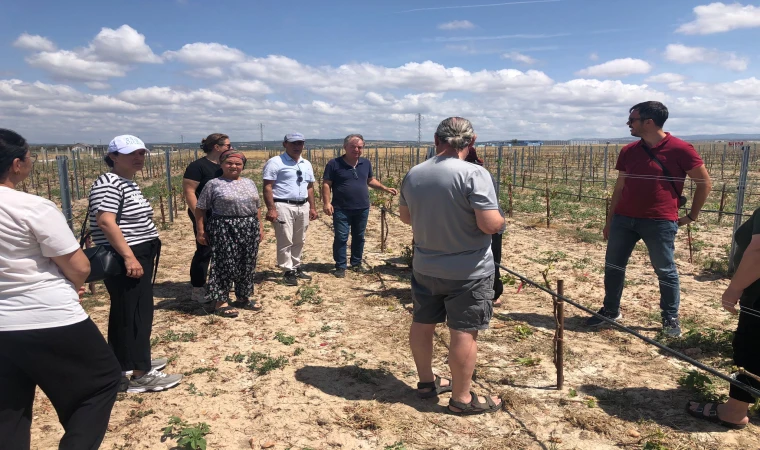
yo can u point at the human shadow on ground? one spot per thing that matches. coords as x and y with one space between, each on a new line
573 323
666 407
353 382
174 290
402 295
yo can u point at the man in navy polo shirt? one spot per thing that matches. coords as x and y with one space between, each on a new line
349 176
644 206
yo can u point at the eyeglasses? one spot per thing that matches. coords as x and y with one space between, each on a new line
356 175
300 178
34 157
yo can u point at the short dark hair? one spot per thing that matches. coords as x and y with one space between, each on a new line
207 145
12 146
107 159
652 110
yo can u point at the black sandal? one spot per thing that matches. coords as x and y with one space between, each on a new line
434 386
474 407
227 312
712 416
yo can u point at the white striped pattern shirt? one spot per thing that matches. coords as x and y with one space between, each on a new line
136 221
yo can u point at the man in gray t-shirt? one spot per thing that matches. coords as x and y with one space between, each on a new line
453 209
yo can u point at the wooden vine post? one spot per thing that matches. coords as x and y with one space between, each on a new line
163 217
509 189
688 238
382 229
548 207
722 202
559 343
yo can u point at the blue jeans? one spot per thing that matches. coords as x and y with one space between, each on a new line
659 237
356 220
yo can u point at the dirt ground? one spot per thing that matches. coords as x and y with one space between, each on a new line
349 377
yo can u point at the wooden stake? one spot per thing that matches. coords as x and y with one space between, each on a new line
559 349
688 238
548 207
382 229
161 202
722 202
509 189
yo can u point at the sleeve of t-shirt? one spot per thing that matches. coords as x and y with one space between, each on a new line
106 196
206 198
270 171
401 198
51 230
256 196
480 191
193 172
620 165
690 159
309 175
328 173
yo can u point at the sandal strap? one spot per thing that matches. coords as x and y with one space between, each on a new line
435 384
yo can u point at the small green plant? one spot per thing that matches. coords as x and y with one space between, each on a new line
307 294
701 385
364 375
192 390
284 338
189 437
755 409
407 255
263 364
173 336
591 402
508 280
198 370
235 357
298 351
396 446
706 339
653 445
140 414
528 361
572 393
523 332
325 328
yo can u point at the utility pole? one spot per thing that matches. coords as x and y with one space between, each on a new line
419 129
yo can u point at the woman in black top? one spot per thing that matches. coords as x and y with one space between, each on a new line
745 290
197 174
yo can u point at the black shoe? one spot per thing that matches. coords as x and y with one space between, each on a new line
290 278
301 274
340 273
594 321
123 384
671 327
358 268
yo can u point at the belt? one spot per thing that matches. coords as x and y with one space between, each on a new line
290 202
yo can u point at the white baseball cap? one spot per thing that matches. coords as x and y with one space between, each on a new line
125 144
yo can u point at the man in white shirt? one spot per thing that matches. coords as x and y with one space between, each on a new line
289 197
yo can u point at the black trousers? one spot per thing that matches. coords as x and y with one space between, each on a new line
201 258
130 321
77 371
498 286
747 352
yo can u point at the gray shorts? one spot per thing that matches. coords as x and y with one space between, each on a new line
465 305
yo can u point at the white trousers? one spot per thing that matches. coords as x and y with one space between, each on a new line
290 230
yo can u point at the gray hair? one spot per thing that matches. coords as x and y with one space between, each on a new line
456 131
351 137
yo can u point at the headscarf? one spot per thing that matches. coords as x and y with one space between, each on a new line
230 153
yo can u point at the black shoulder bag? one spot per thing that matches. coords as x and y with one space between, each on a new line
105 262
666 172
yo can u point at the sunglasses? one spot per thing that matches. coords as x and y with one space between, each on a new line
300 178
356 175
632 119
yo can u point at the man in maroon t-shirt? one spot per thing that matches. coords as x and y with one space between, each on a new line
645 207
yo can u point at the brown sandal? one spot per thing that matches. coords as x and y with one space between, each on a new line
474 407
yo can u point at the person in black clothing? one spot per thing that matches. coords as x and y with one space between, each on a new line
197 174
496 239
745 290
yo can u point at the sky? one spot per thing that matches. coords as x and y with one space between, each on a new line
171 70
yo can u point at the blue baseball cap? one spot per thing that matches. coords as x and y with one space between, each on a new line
294 137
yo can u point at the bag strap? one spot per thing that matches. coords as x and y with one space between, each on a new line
83 236
665 171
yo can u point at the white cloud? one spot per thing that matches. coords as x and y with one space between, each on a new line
68 65
123 45
519 57
719 18
250 87
206 54
593 57
617 68
34 42
689 55
665 77
98 85
456 25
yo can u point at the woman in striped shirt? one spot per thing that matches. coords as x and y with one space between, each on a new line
120 216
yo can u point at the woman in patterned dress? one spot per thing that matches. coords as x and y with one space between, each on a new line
233 232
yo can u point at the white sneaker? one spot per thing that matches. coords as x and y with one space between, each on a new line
199 294
153 381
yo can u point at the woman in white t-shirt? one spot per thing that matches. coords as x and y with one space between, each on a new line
46 338
121 217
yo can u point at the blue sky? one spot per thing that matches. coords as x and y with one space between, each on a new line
86 70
